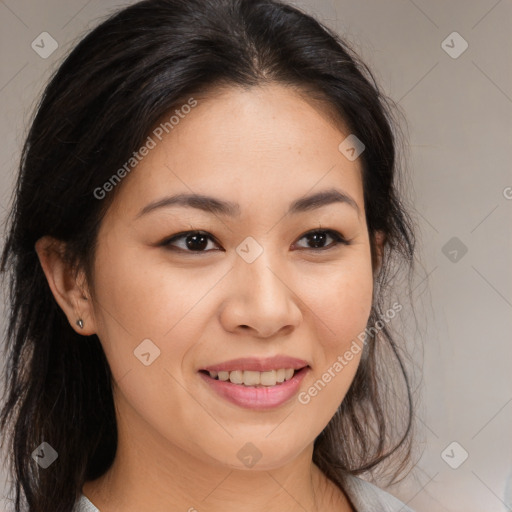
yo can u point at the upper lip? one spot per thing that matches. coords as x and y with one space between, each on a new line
258 364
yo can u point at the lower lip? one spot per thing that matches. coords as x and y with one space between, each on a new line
257 398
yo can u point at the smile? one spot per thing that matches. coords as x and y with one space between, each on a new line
253 389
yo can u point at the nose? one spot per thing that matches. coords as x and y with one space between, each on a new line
260 299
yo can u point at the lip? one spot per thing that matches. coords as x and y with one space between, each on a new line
258 364
251 397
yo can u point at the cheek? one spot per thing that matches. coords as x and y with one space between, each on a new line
140 298
151 309
340 308
340 300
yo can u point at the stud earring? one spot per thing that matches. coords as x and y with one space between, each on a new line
80 323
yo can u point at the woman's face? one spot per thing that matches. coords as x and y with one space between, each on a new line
256 285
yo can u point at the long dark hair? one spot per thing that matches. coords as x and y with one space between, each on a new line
98 109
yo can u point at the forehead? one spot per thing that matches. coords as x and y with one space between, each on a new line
268 142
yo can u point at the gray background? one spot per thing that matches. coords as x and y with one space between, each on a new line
459 113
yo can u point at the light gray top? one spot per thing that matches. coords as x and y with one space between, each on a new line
365 496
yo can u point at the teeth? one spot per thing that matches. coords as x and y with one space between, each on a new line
236 377
252 378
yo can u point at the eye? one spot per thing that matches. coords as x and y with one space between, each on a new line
197 241
319 236
194 241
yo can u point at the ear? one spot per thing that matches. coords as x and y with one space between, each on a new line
67 285
380 240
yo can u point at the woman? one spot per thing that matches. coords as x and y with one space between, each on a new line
199 252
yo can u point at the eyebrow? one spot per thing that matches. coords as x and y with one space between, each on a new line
228 208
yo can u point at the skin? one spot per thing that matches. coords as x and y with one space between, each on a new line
178 441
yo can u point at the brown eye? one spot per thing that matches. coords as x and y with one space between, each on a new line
194 241
197 241
318 238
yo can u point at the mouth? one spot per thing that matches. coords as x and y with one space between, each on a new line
254 379
253 389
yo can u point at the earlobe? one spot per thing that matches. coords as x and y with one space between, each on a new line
65 286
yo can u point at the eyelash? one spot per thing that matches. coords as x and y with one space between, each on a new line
337 237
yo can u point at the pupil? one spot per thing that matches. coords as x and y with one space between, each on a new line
202 244
318 235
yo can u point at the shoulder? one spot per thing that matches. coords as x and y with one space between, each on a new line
367 497
84 505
